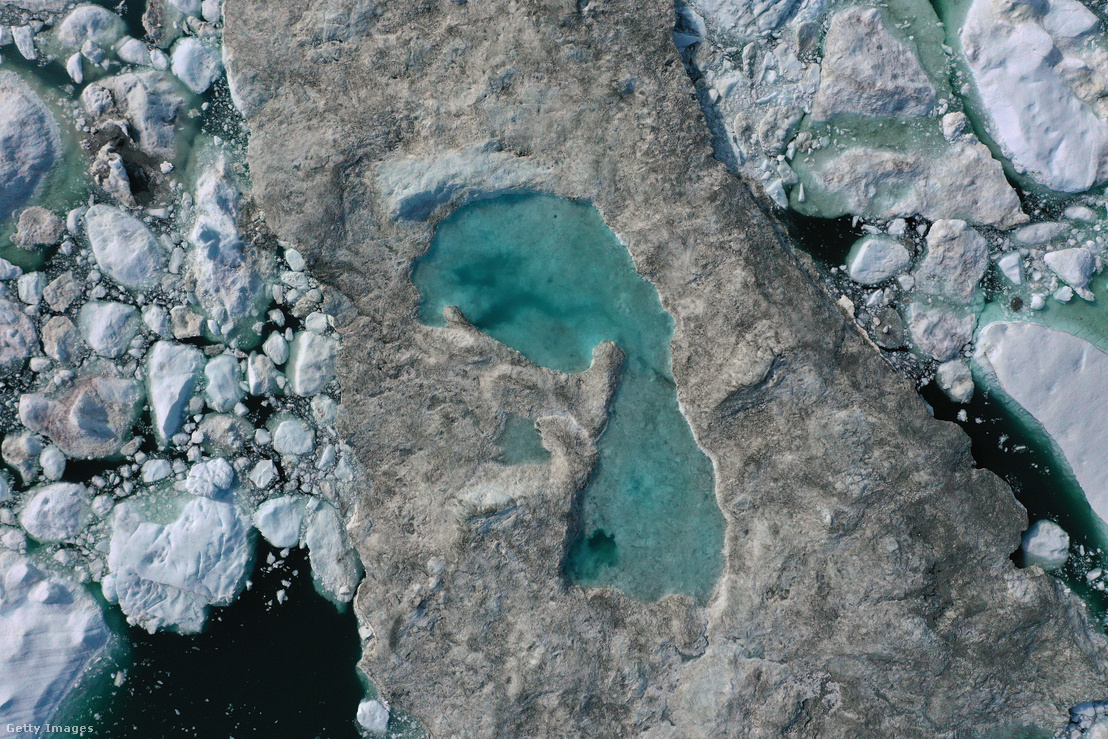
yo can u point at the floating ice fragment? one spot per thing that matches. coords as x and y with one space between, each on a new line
124 248
108 327
956 380
171 372
1046 544
223 389
1011 266
293 436
1075 266
212 479
311 362
196 64
56 512
373 716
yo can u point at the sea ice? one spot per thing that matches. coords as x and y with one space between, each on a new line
1062 381
223 391
1076 266
373 716
956 380
50 631
124 248
1023 58
1046 544
280 520
956 259
31 143
196 64
293 436
17 336
55 512
212 479
90 23
167 576
867 70
939 333
335 566
171 372
149 102
311 362
91 420
108 327
874 259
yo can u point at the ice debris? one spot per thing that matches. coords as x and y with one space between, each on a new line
1046 544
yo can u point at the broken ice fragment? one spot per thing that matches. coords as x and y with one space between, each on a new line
196 64
108 327
171 372
124 248
1075 266
280 520
55 512
1046 544
222 374
311 362
874 259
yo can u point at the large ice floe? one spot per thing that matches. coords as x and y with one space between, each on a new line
158 336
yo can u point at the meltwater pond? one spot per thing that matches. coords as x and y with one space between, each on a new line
545 276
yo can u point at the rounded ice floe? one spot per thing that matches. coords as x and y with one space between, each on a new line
293 436
55 512
264 472
874 259
280 520
1046 544
133 51
212 479
311 362
91 420
52 461
1076 266
276 348
29 143
17 335
196 64
38 227
124 248
373 716
90 23
50 631
956 380
108 327
939 333
1081 213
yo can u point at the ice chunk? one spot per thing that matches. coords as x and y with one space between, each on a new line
955 261
1062 381
1046 544
38 228
52 461
125 249
280 520
311 362
867 70
56 512
61 340
171 372
90 23
1021 65
154 470
1075 266
335 566
149 102
32 143
222 374
108 327
874 259
1081 213
276 348
373 716
196 64
17 336
940 333
1039 233
212 479
1011 266
261 375
47 640
264 473
24 39
92 420
30 287
293 436
167 576
956 380
133 51
21 452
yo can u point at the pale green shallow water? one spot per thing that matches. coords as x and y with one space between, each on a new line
546 276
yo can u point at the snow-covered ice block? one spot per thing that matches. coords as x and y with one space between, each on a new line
311 362
335 566
212 479
56 512
874 259
293 436
956 259
1011 266
196 64
1076 266
124 248
222 375
281 520
1046 544
168 576
50 631
940 333
1062 381
108 327
373 716
90 23
171 372
17 335
91 420
32 143
264 472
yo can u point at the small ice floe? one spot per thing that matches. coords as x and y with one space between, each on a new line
1046 544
